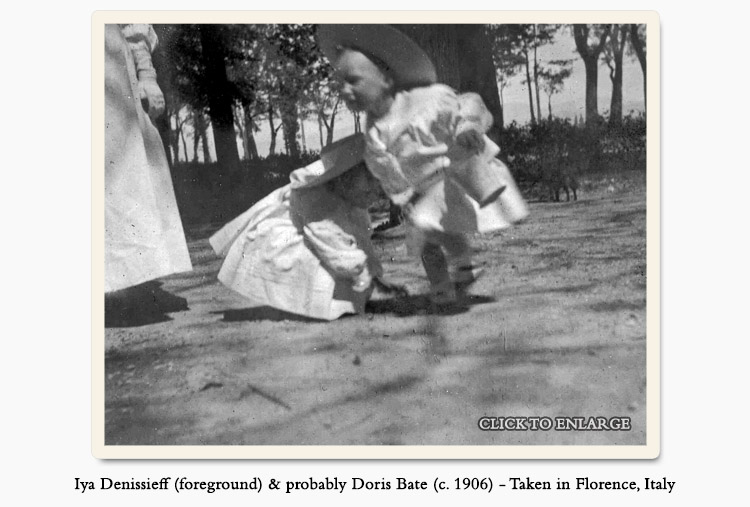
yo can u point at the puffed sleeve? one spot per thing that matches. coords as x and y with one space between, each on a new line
336 249
473 122
142 40
331 231
387 169
140 32
473 113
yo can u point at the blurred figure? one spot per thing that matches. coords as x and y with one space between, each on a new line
426 145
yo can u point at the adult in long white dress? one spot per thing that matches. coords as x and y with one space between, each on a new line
144 238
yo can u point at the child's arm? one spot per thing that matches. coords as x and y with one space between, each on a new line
335 248
474 121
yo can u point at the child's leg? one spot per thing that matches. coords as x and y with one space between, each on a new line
459 250
436 267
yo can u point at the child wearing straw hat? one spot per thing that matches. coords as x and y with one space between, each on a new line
427 147
305 248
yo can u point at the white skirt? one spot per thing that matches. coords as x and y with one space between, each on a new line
143 235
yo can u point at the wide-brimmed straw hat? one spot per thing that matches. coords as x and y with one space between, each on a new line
407 63
335 159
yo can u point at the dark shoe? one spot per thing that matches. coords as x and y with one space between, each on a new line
465 277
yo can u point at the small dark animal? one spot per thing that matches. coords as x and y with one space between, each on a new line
563 182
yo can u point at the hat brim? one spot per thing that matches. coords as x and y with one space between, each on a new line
336 159
408 64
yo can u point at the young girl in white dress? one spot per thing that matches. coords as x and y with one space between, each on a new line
427 147
305 248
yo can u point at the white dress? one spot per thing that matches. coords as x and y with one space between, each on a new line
412 151
300 249
143 235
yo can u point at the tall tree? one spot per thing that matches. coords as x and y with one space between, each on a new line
638 42
613 53
327 119
590 41
516 42
294 66
553 78
440 42
221 98
506 58
478 73
200 126
323 101
541 35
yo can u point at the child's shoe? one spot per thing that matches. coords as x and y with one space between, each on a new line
465 276
444 300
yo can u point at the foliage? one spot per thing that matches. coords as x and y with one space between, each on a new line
548 155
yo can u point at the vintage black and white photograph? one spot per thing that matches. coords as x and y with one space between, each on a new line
384 234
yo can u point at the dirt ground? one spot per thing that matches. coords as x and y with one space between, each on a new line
556 327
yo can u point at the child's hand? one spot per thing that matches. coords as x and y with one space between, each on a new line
470 139
362 281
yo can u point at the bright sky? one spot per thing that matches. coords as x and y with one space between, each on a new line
574 92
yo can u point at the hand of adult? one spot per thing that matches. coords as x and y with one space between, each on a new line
151 92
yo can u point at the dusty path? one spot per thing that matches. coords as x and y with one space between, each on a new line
558 328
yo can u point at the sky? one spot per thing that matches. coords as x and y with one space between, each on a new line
573 95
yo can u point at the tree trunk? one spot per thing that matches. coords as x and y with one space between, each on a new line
501 120
528 86
536 78
198 129
219 98
302 134
549 107
619 37
250 131
206 148
440 42
478 74
174 140
320 130
184 145
239 124
638 47
590 57
290 122
272 131
592 89
329 134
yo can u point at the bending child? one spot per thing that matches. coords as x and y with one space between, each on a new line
427 147
305 248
